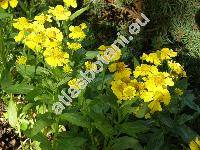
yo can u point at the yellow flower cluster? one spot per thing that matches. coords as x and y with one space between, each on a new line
4 3
90 66
59 12
148 82
74 46
195 144
77 31
159 56
48 40
74 83
21 60
71 3
115 56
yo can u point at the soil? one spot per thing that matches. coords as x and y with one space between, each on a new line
8 138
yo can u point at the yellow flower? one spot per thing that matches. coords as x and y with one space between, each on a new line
76 32
123 75
90 66
74 46
102 48
69 3
4 3
145 70
56 57
54 34
146 95
21 60
43 18
152 58
21 23
83 26
129 92
74 83
178 92
59 12
195 144
177 68
113 67
19 37
155 106
117 88
167 53
67 69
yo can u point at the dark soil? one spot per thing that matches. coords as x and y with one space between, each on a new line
8 138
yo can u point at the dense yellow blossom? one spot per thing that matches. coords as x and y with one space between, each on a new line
42 18
177 68
67 69
167 53
56 57
129 92
195 144
90 66
74 83
21 23
59 12
159 56
74 46
4 3
148 83
69 3
77 31
21 60
145 70
152 58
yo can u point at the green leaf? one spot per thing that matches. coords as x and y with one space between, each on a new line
102 124
75 119
70 143
126 142
29 71
166 120
43 140
185 133
39 125
189 101
91 54
156 141
19 88
184 118
12 113
136 62
78 13
133 128
142 111
4 14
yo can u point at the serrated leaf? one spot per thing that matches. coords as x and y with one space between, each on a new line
126 142
75 119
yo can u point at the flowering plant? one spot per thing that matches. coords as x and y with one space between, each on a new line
127 106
